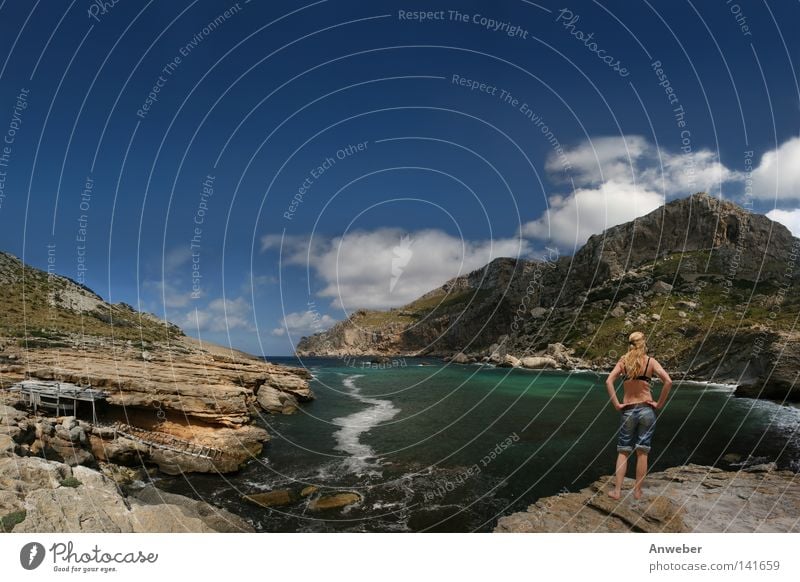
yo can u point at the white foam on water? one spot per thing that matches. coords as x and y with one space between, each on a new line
348 437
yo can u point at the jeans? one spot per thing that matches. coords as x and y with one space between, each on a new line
636 428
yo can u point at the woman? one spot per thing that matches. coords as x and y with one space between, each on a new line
638 409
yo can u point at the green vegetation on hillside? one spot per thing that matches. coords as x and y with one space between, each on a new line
37 315
699 303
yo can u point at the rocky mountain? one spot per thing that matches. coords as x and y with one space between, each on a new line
712 285
172 395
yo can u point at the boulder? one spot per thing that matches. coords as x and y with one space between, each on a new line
216 518
273 400
275 498
460 358
509 361
291 383
661 287
655 317
11 430
690 498
686 304
538 312
93 503
308 490
334 501
76 435
618 311
7 445
538 362
10 415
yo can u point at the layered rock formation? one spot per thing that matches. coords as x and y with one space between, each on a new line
155 378
713 286
690 498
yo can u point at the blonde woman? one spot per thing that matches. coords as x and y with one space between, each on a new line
638 408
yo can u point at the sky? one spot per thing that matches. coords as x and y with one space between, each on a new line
257 171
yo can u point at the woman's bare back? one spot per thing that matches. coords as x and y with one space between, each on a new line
637 390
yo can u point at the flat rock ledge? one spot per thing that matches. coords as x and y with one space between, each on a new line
689 498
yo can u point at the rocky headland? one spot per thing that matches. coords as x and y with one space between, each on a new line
171 404
689 499
713 285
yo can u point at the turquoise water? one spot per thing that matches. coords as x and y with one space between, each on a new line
452 448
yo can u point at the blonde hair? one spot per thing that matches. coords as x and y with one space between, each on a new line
636 351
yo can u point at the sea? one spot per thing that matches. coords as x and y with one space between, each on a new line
436 447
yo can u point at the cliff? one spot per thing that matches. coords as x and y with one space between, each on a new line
713 286
691 498
156 379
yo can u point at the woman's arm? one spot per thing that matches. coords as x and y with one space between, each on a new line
612 377
662 373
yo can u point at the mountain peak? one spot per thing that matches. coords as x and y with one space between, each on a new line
750 243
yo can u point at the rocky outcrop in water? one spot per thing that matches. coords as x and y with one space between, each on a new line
713 286
690 498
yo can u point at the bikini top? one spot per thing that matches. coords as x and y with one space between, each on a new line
642 377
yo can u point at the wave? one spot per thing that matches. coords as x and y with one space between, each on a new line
348 437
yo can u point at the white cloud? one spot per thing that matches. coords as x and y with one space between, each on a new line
376 270
219 315
302 323
788 218
571 220
777 174
176 258
617 179
167 293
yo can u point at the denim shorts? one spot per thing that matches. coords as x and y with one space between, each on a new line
636 428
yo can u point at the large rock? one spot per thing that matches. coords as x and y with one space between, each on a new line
95 505
661 288
689 498
334 501
618 311
538 362
7 445
276 498
509 361
273 400
460 358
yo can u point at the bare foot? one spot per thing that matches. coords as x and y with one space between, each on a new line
637 493
614 494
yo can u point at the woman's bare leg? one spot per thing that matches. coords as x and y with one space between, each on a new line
622 468
641 471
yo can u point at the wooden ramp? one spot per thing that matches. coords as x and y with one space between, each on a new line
161 440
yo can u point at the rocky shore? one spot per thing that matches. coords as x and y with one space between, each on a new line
198 395
70 474
41 496
555 356
690 498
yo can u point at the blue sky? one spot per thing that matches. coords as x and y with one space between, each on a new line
306 159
